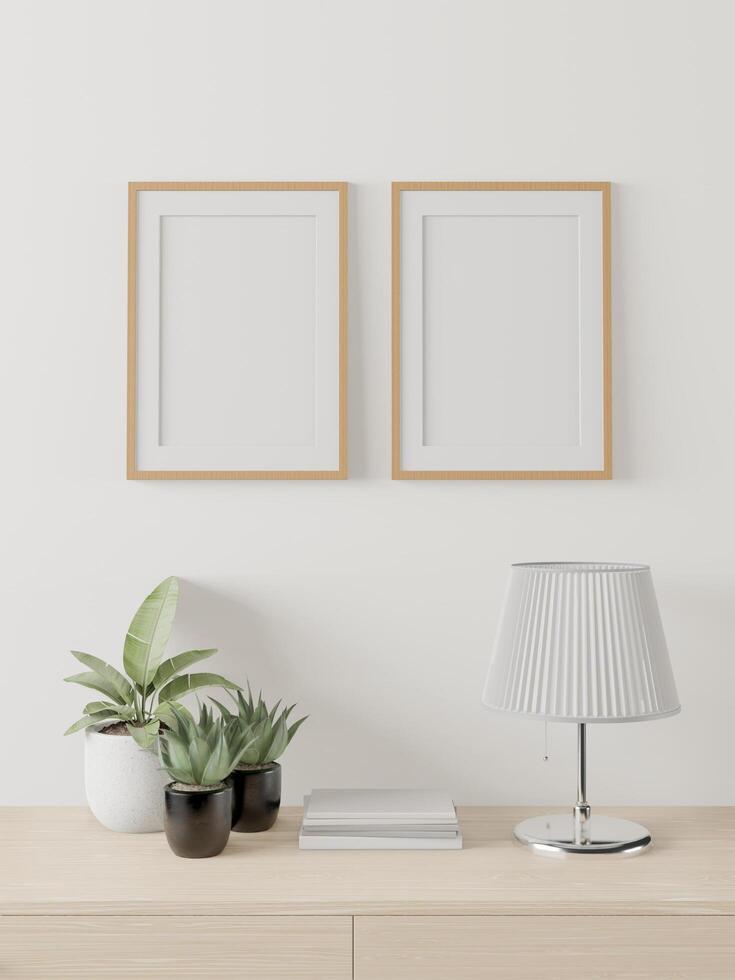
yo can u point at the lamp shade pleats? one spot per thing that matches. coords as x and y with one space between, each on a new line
581 642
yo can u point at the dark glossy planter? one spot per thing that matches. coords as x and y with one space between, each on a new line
256 798
197 823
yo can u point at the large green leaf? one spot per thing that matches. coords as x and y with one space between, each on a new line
170 668
88 720
145 735
149 631
98 683
121 684
124 711
95 706
192 682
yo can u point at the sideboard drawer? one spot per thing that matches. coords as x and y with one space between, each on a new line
544 947
145 947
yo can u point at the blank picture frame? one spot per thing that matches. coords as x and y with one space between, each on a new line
237 331
501 333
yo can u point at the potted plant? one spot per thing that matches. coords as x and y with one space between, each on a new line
123 781
199 756
256 779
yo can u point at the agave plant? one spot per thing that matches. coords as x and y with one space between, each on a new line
268 733
148 692
201 753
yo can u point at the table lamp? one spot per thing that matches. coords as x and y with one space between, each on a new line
581 642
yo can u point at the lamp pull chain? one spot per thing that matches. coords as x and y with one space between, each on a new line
546 741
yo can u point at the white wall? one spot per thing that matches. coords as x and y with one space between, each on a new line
370 602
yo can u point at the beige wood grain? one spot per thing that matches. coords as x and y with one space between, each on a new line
544 948
133 473
603 187
141 948
60 860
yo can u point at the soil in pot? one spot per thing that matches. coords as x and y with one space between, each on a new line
118 728
197 820
256 797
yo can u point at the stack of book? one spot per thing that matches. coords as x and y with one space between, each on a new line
379 819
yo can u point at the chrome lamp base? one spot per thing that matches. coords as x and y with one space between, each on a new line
556 835
579 832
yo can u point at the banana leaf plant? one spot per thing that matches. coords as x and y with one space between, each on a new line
148 691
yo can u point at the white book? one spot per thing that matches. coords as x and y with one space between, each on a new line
414 805
357 827
378 832
315 842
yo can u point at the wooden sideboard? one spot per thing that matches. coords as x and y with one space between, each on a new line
79 901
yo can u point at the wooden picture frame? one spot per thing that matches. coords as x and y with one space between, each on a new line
467 294
237 331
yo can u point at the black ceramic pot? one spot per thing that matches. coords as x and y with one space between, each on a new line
256 798
197 822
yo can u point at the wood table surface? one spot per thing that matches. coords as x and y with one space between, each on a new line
60 861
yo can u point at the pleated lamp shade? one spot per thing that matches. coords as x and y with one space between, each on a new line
581 643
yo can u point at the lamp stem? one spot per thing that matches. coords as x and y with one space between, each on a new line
581 763
582 808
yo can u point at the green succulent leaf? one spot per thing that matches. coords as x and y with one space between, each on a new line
199 756
217 765
192 682
202 752
113 677
241 741
272 712
225 712
295 727
165 713
268 734
174 751
149 631
279 742
170 668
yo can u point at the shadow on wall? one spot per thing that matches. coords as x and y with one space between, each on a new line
375 719
206 617
346 741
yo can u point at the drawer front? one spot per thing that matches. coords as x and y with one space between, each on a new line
145 947
544 947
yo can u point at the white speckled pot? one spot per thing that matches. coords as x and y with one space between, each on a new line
124 783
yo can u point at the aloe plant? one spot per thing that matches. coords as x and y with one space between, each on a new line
201 753
268 733
148 692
